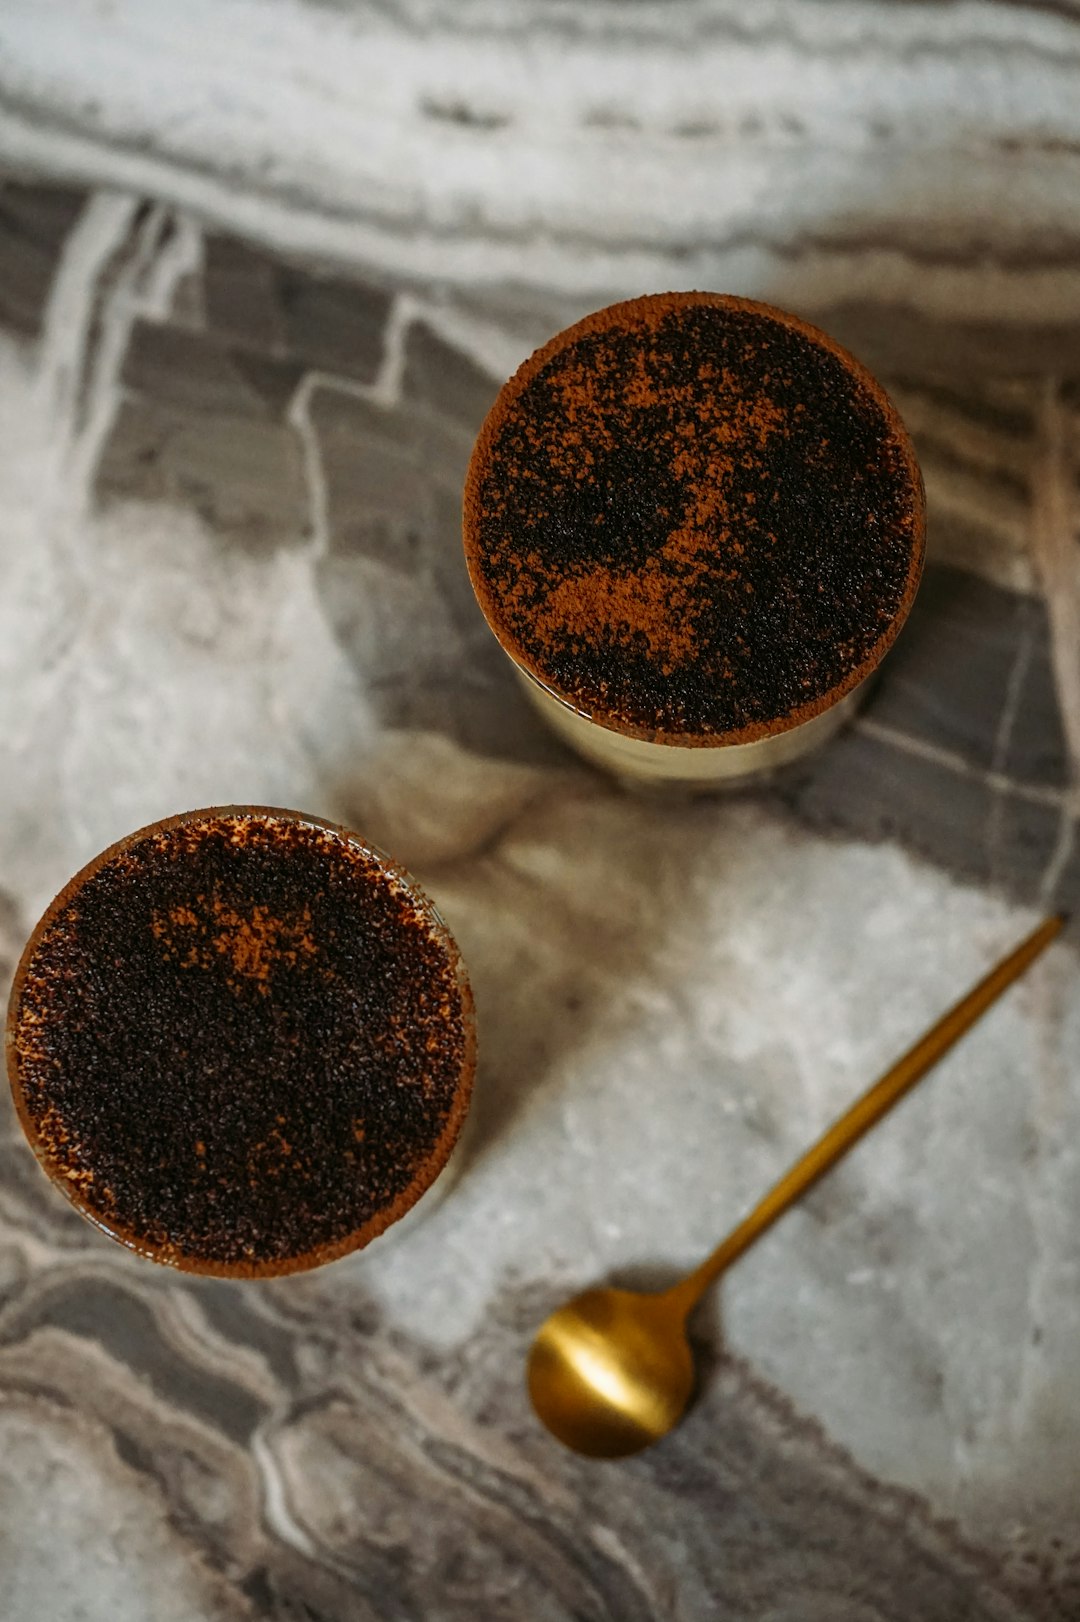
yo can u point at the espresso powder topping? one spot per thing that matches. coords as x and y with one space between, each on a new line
694 518
242 1041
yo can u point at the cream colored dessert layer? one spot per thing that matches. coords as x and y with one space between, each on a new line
637 760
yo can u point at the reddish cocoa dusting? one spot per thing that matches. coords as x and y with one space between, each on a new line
694 518
241 1043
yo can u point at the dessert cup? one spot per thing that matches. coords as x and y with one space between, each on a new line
696 526
242 1042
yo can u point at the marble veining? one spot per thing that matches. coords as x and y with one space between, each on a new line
234 420
823 151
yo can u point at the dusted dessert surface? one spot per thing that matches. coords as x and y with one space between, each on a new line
694 518
241 1041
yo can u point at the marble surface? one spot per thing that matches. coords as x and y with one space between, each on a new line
236 401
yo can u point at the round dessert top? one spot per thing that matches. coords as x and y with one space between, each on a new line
242 1041
695 519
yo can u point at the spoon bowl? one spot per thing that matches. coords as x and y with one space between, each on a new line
611 1372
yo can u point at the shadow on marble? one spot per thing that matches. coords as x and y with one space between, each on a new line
546 996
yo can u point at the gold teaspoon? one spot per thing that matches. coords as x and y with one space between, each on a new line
611 1372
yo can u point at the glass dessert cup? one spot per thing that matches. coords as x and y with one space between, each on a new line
696 526
242 1042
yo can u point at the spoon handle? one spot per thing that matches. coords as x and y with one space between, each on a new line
863 1114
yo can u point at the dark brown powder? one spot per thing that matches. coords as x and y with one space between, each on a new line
694 518
241 1042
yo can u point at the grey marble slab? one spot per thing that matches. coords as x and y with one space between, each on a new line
230 487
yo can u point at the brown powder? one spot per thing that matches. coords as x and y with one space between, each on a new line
694 518
241 1042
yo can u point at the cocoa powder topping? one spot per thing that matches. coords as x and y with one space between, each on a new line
694 518
241 1042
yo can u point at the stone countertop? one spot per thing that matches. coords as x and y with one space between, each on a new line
230 478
